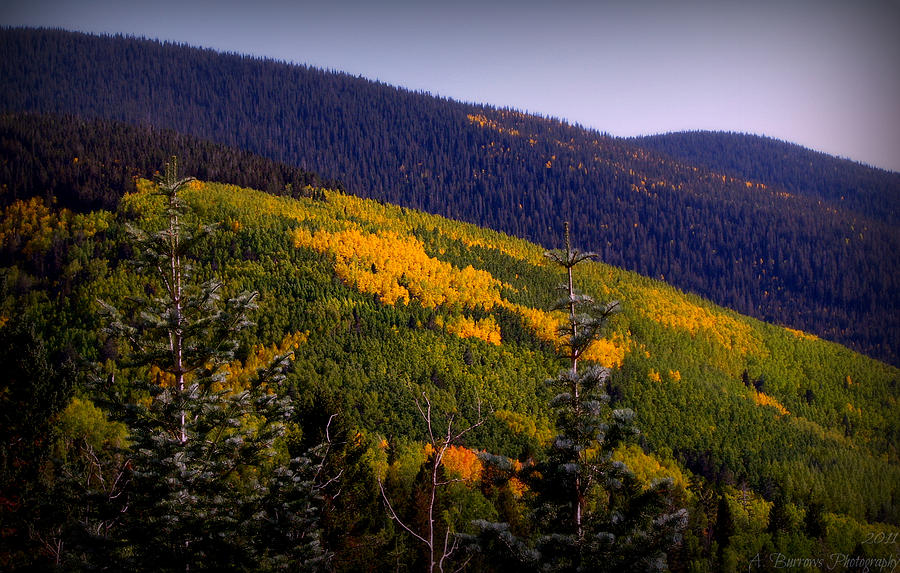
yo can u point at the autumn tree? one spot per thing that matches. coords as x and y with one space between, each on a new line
434 536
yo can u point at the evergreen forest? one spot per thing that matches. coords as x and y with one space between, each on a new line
760 226
364 386
256 316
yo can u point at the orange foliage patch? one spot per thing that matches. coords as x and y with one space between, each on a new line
516 487
483 121
239 373
463 463
261 357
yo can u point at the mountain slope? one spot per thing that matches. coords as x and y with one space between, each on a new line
366 283
782 256
845 184
89 164
380 302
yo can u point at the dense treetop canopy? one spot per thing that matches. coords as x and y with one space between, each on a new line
768 229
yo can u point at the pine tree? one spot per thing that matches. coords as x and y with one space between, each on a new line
583 448
604 519
725 526
35 388
208 487
725 529
779 519
814 523
593 512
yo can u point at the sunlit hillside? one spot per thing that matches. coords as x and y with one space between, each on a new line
380 303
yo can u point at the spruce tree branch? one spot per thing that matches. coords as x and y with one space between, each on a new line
221 430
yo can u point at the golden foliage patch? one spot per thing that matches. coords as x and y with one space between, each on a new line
397 268
33 225
766 400
676 312
486 328
609 352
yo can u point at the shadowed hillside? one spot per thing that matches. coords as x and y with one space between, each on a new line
852 186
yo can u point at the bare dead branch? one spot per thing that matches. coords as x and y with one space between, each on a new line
463 564
393 514
447 438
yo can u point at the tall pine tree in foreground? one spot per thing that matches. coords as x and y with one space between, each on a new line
592 514
212 483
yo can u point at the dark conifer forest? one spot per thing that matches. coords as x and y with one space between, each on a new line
765 228
787 166
237 335
84 165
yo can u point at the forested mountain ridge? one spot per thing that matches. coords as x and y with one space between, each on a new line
90 164
789 257
788 166
380 302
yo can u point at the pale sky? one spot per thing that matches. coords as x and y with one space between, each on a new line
821 73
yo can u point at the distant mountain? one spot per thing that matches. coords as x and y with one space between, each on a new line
772 247
871 192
